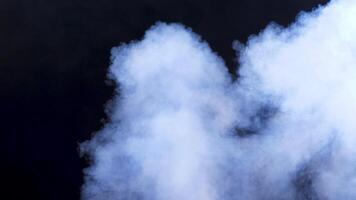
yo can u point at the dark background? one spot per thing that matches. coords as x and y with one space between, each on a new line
53 60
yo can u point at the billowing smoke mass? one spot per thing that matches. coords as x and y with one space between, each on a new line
181 127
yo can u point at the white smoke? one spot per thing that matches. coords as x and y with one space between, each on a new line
182 129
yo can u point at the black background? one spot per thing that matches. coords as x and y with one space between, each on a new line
53 60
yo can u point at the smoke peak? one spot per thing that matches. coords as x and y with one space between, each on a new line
181 128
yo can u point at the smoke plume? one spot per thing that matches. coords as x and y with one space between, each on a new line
181 128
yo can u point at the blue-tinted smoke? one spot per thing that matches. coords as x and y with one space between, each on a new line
181 128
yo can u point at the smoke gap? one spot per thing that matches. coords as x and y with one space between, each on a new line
181 128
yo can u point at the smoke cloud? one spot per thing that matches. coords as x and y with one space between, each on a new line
181 128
